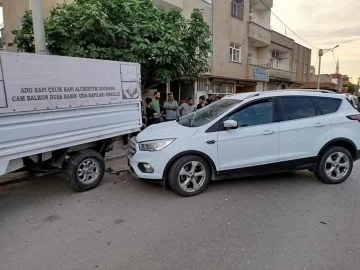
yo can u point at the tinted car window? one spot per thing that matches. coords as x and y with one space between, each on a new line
259 113
297 108
328 105
207 114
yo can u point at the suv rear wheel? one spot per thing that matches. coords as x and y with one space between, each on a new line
335 165
189 175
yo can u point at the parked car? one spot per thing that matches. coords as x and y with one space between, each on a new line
251 134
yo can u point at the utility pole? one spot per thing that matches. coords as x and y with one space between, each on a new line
38 25
358 87
321 53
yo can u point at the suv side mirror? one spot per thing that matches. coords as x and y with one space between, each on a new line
230 124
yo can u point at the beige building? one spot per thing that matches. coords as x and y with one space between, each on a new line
239 28
289 63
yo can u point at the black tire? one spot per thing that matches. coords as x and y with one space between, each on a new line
323 165
73 165
173 176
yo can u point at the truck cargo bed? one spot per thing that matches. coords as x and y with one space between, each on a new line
49 103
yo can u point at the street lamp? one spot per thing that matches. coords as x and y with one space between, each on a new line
321 53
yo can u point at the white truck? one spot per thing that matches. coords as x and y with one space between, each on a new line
62 113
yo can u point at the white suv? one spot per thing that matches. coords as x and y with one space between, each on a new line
251 134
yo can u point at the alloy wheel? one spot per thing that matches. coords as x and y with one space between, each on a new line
192 176
88 171
337 165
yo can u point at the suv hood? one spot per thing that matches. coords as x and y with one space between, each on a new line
167 130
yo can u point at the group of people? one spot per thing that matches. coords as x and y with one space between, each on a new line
170 111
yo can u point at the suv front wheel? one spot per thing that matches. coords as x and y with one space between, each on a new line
189 175
335 165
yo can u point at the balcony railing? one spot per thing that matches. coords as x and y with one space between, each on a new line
256 62
259 22
279 66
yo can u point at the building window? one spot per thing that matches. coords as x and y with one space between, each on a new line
237 8
221 89
294 66
305 69
235 53
274 63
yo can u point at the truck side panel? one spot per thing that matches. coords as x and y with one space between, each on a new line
42 82
28 134
49 103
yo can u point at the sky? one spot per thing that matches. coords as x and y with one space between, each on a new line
324 24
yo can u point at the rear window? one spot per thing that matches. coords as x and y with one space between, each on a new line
328 105
297 108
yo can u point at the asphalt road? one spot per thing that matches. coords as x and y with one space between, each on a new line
289 221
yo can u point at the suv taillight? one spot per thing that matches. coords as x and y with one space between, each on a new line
354 117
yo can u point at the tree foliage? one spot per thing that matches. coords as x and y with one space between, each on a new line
351 88
24 38
167 45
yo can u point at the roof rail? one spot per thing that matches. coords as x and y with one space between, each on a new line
254 95
287 90
320 90
304 90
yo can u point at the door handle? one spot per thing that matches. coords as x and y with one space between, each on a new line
267 132
211 142
319 124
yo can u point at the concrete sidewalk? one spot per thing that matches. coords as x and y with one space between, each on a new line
117 152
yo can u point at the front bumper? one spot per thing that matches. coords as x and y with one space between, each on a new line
157 160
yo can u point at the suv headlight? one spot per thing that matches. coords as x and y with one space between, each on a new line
155 145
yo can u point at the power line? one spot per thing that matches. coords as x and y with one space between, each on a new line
288 26
349 47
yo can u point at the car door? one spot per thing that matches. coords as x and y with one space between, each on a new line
256 140
303 130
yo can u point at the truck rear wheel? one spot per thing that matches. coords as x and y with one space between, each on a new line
85 170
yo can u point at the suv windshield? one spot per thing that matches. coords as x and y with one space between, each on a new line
209 113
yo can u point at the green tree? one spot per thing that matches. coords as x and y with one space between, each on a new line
24 38
167 45
351 88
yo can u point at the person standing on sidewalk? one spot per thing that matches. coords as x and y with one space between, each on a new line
187 108
149 112
202 103
155 104
210 99
170 107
